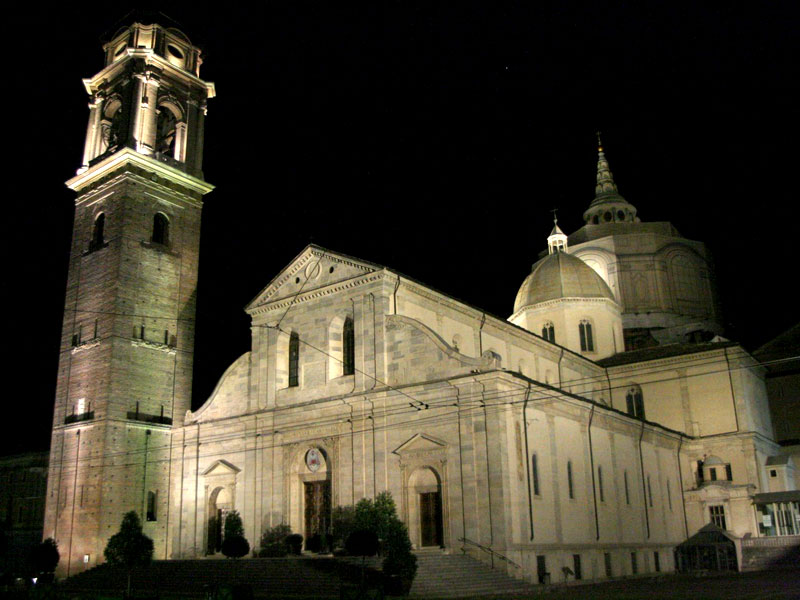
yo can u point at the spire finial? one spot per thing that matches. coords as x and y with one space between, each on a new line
599 142
555 215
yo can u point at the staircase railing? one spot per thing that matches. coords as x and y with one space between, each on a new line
492 553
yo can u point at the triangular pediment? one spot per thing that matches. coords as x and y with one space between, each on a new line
221 467
420 442
313 269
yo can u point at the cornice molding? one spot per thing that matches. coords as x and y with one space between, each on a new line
129 157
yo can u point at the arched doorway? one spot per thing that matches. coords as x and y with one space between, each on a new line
219 505
312 497
425 495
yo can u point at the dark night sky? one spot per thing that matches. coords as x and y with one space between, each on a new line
433 141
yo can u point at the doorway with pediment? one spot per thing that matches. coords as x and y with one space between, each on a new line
423 461
220 492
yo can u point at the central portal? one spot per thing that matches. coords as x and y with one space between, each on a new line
317 512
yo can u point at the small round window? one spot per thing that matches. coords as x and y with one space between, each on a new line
118 51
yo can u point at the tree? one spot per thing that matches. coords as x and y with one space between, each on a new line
129 547
273 541
44 557
234 544
380 516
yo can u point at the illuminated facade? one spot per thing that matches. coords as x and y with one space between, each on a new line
538 436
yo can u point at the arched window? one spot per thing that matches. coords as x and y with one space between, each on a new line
160 229
167 131
587 339
111 125
294 358
98 239
549 332
635 402
649 492
570 487
348 348
151 506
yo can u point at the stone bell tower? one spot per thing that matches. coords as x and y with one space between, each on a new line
125 370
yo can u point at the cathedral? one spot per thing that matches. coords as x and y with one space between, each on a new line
596 428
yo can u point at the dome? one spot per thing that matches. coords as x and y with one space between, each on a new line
561 275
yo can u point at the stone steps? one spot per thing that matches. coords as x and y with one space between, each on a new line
456 575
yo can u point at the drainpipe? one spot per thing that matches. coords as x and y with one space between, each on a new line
394 293
527 455
644 484
680 483
733 394
594 487
480 335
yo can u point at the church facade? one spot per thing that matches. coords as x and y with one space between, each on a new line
538 437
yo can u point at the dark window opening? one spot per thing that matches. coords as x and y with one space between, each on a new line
541 569
294 357
713 473
649 492
576 566
728 473
569 480
627 493
151 506
635 402
348 348
535 474
634 564
98 233
600 483
549 332
717 514
587 339
700 476
160 229
607 559
656 561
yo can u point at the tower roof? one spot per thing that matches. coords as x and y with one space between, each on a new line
608 204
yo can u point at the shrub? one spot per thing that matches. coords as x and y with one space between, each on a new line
398 559
362 542
343 523
379 516
44 557
234 544
273 541
295 543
